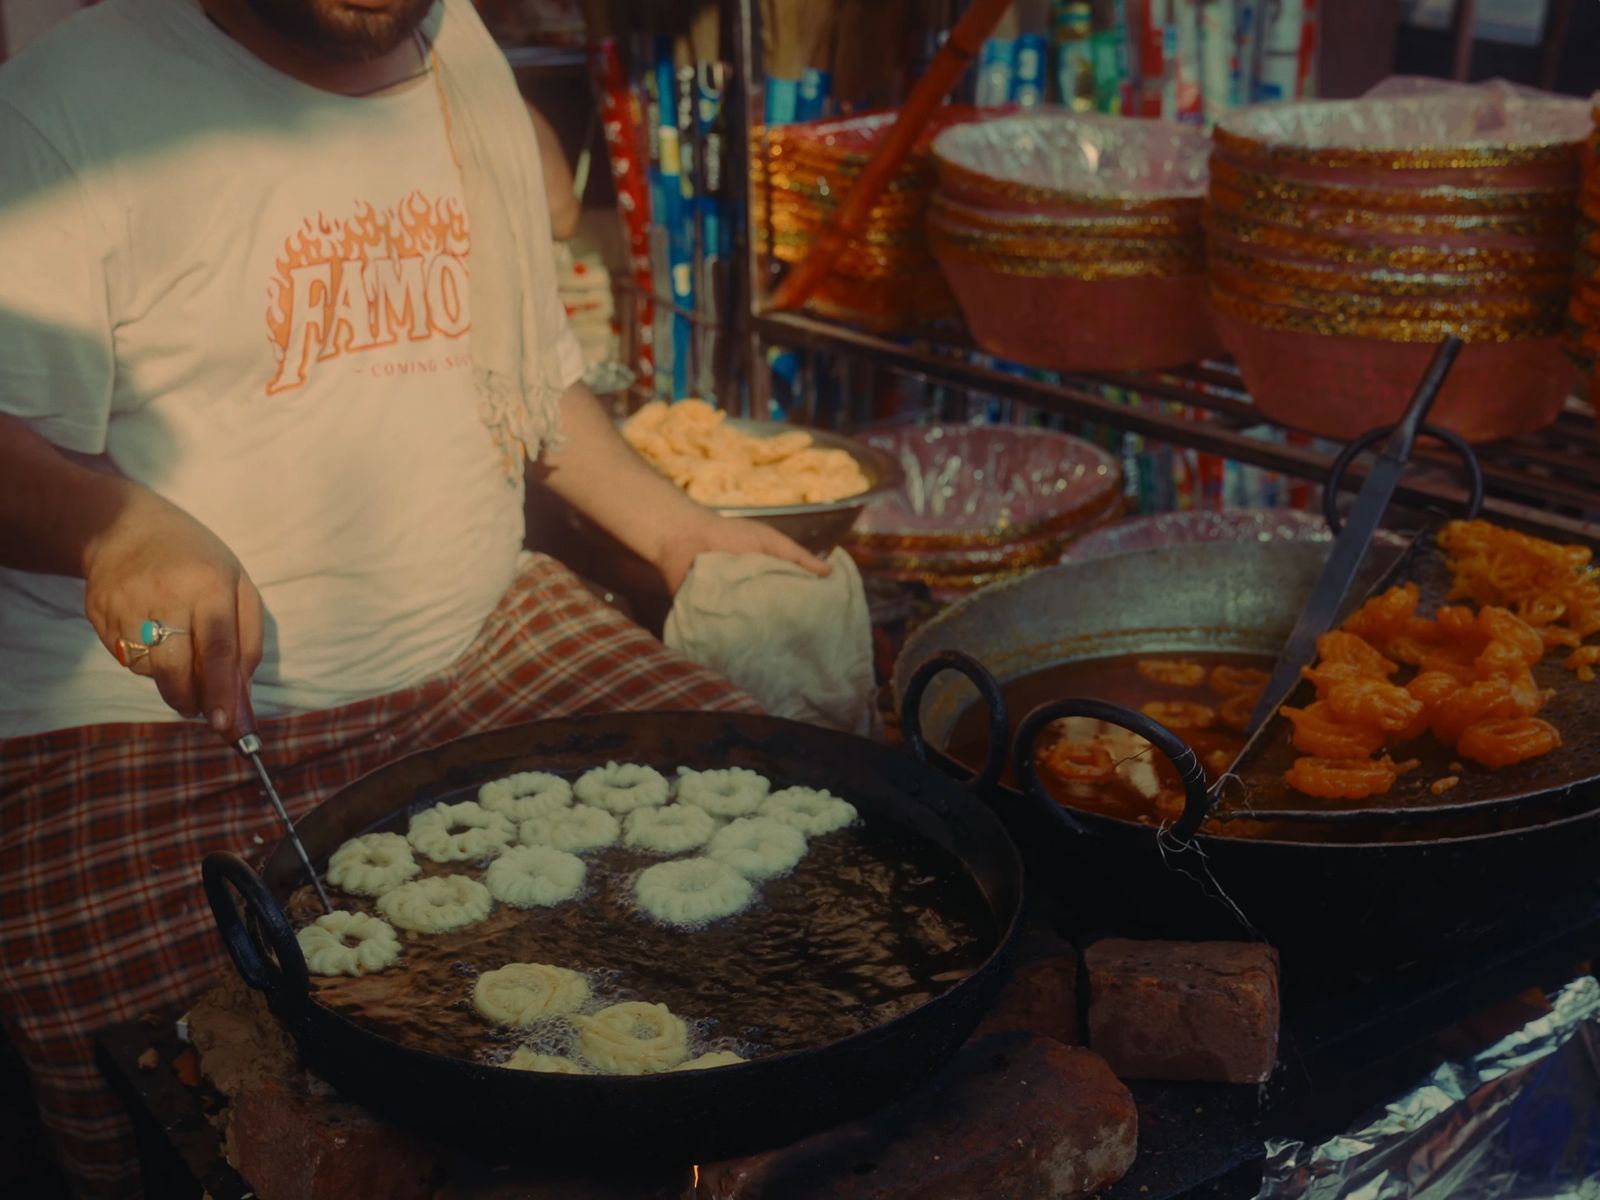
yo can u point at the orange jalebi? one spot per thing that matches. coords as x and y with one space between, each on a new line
1583 660
1551 587
1374 702
1173 672
1346 778
1341 647
1180 715
1080 762
1511 740
1385 616
1473 687
1237 710
1490 699
1318 732
1235 681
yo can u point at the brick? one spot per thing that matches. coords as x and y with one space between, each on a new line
1184 1010
1040 997
1011 1117
238 1041
292 1146
533 1183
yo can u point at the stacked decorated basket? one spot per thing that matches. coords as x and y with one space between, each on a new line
1346 239
1583 310
886 279
981 503
1073 241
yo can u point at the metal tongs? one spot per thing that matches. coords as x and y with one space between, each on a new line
1321 612
249 746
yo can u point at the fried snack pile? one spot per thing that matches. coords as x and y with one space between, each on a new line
1551 587
689 444
1470 680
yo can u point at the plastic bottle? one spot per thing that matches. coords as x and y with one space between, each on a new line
1075 55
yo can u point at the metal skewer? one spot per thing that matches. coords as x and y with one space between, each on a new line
250 747
1338 574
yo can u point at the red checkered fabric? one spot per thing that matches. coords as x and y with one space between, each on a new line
102 830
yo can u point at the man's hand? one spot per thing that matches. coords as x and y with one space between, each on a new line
604 478
729 535
156 561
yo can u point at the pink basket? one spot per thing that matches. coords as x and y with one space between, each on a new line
1066 324
1340 387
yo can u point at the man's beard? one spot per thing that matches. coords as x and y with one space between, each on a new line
342 31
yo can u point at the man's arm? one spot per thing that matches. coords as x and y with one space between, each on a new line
601 475
139 557
564 203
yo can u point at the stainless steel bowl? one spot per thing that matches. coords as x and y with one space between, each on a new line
820 527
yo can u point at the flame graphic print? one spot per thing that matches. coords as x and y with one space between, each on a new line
370 280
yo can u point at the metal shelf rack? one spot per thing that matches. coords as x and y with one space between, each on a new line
1546 483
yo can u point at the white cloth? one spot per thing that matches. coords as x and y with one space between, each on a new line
517 313
252 295
800 644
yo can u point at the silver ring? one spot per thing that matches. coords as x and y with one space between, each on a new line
153 632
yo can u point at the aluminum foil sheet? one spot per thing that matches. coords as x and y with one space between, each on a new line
1519 1121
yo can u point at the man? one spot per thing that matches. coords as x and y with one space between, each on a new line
274 338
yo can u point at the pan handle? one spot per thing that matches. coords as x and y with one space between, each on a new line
994 701
1196 803
1452 439
285 980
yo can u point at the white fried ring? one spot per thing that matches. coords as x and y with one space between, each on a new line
574 829
522 994
669 830
717 1058
689 892
734 792
372 864
436 904
757 847
813 811
481 833
526 794
348 943
535 876
524 1059
622 787
633 1038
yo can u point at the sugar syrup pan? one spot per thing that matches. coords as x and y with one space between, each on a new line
1334 896
679 1117
1569 772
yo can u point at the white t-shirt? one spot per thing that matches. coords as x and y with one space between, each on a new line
252 295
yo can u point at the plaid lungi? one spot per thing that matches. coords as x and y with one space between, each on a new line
102 830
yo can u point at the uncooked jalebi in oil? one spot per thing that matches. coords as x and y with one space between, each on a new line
632 1038
348 943
692 892
757 847
372 864
518 995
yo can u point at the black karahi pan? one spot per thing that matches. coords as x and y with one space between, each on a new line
1334 892
675 1117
